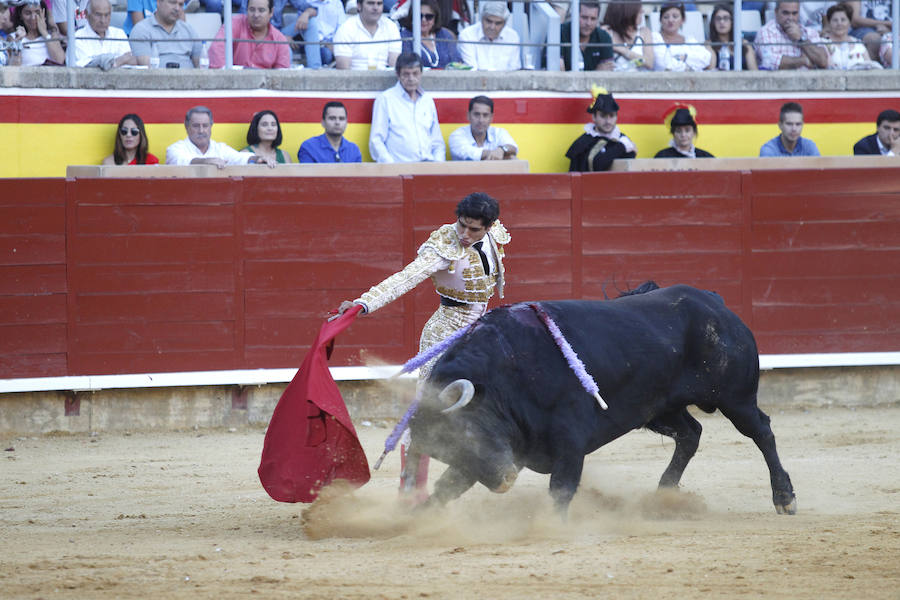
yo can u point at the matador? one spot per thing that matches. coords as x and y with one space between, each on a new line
465 262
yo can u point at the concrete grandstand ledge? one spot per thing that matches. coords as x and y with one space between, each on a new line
305 80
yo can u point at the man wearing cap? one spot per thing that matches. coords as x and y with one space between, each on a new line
490 45
683 128
602 142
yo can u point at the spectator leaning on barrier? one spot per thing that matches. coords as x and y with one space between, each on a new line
269 50
199 148
264 137
405 124
602 142
164 39
789 142
483 45
331 146
111 49
351 50
595 44
479 140
885 140
785 44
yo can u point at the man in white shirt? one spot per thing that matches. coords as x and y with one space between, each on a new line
368 25
110 49
200 149
478 140
405 124
483 46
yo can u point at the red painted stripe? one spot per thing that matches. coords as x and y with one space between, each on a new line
837 109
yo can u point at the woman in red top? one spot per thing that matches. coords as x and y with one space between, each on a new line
131 144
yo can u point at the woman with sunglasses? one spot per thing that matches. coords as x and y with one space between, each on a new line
264 137
131 144
438 45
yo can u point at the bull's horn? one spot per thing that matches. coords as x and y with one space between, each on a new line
462 390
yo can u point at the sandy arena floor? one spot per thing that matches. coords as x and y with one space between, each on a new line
182 515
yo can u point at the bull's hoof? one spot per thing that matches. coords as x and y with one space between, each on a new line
787 509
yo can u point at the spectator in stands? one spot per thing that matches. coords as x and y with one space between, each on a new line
137 10
199 149
438 45
131 144
683 128
602 142
315 22
270 49
368 25
479 140
595 44
624 22
871 20
97 44
41 42
789 142
885 140
331 146
165 25
812 14
479 43
60 15
721 41
844 50
264 137
7 34
405 124
673 51
785 44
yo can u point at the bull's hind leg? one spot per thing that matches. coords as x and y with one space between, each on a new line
685 430
754 423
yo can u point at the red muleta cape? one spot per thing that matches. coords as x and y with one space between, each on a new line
311 441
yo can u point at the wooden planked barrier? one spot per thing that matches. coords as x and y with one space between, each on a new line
117 275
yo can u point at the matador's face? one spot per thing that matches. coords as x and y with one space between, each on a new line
470 231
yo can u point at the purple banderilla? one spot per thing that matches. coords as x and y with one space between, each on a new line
569 353
411 365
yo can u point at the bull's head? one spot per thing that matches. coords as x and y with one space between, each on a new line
472 441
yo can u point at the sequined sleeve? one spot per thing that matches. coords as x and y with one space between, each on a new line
426 264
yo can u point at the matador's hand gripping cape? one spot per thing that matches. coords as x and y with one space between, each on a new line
311 441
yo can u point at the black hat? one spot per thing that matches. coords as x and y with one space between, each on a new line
603 101
681 117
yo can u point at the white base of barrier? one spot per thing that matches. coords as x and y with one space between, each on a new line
79 383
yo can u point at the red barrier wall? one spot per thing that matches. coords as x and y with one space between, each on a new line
117 276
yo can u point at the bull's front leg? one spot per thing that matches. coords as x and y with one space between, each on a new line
450 486
564 479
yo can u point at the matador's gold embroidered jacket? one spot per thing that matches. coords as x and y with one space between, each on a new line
456 271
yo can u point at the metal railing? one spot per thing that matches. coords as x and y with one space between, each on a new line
538 30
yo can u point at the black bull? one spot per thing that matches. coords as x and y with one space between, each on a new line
503 398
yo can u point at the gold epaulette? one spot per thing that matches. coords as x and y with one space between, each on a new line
499 233
445 242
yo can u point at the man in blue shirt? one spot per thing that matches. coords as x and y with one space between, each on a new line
789 143
331 146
